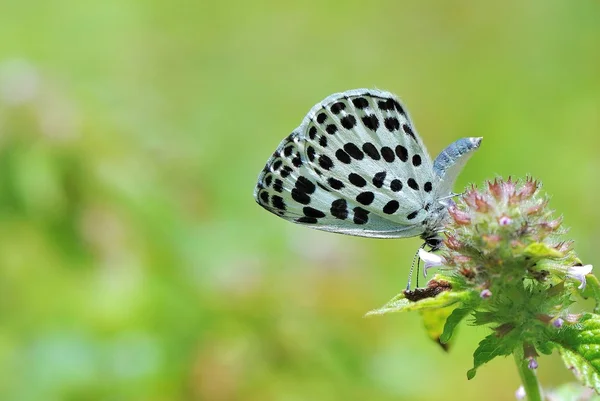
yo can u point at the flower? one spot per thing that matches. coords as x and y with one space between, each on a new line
520 393
430 260
579 273
532 364
504 220
485 294
558 322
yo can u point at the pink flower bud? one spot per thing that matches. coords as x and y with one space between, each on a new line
508 188
528 189
481 204
453 243
504 220
460 217
495 189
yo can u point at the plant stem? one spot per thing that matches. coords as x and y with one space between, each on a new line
529 378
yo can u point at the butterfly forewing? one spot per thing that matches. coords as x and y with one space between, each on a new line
355 165
363 145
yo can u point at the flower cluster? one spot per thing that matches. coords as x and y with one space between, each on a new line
503 244
504 263
506 234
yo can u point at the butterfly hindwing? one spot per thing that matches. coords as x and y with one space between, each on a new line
289 188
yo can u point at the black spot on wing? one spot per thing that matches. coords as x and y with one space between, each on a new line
337 107
365 198
388 154
310 152
268 180
361 216
325 162
305 185
307 220
356 180
348 121
396 185
278 185
386 105
371 122
331 129
323 141
413 184
285 171
392 124
339 209
277 202
354 151
391 207
402 153
416 160
342 156
335 183
371 151
300 196
360 103
379 178
312 212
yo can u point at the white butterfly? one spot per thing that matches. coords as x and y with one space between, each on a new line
357 166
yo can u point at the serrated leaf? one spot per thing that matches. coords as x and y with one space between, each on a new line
545 347
579 347
592 290
400 304
453 320
539 250
434 321
489 348
585 371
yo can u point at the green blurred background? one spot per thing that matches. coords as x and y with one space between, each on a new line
134 263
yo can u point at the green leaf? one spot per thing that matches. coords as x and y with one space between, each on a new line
434 321
453 320
489 348
572 391
592 290
400 304
579 347
539 250
545 347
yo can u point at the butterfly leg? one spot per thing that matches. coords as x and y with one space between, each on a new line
416 259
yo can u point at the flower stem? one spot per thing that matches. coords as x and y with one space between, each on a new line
528 377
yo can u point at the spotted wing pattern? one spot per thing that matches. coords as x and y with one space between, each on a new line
356 166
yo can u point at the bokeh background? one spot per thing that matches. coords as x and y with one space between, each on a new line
134 263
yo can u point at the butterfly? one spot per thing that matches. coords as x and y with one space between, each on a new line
357 166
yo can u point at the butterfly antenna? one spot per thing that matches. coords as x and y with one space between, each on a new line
416 259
